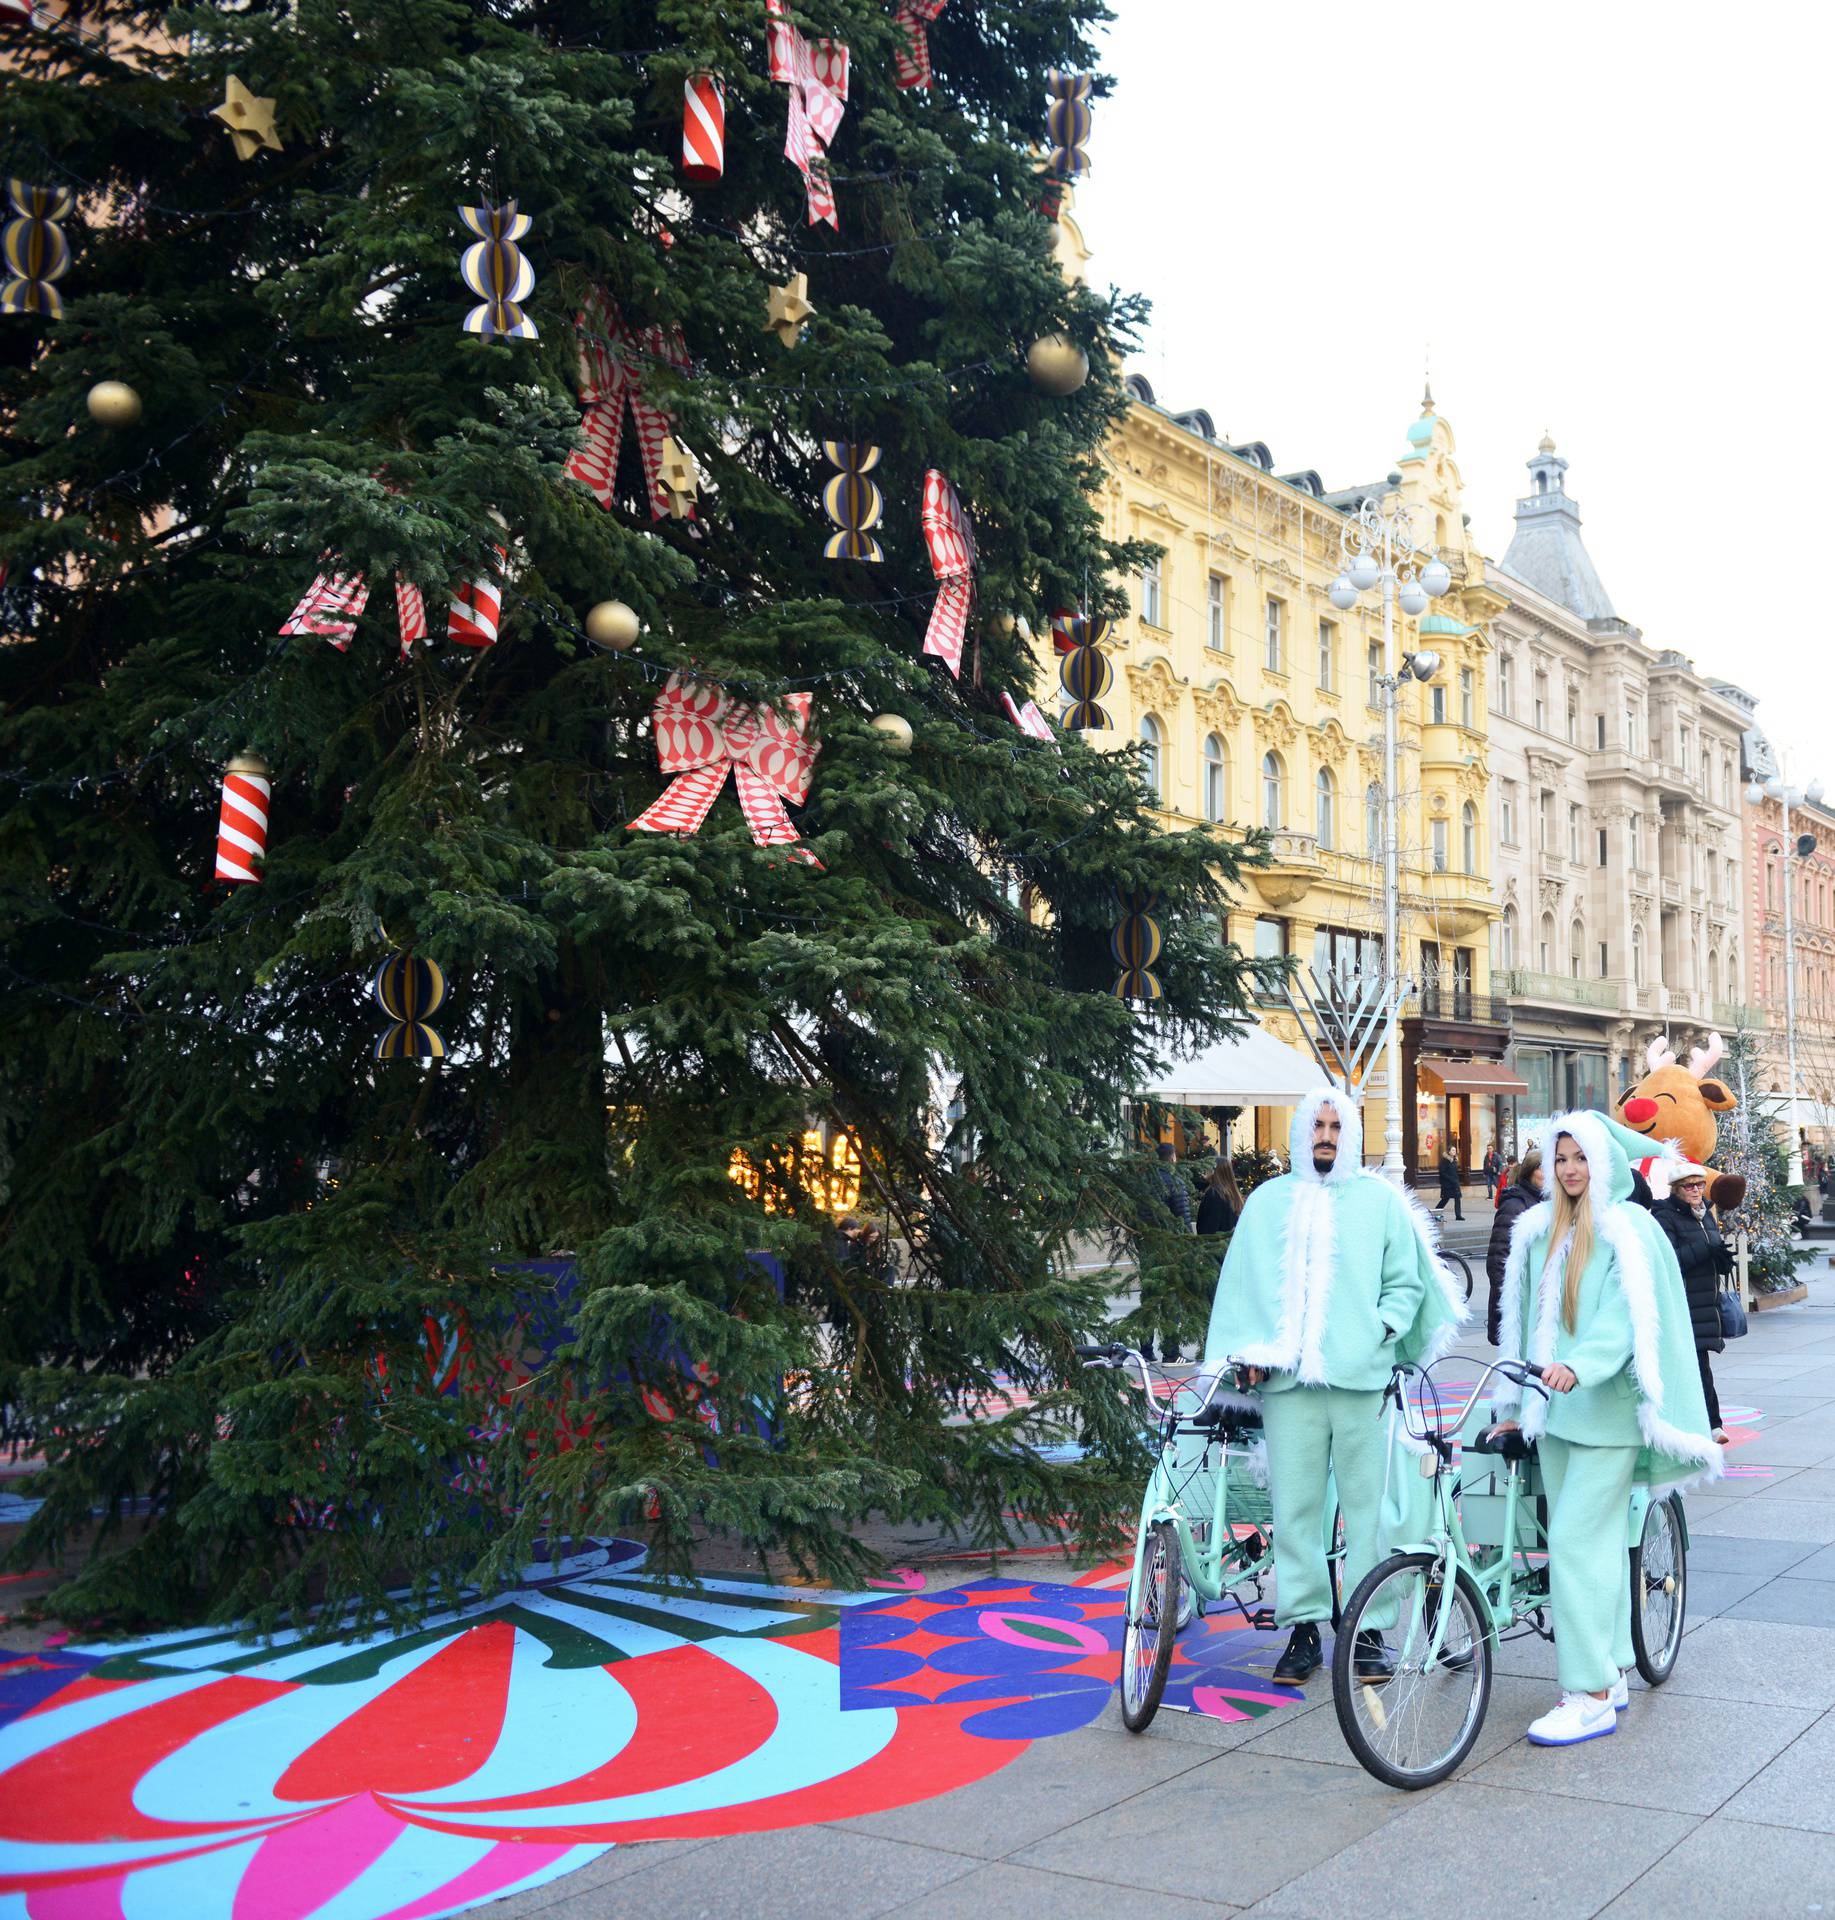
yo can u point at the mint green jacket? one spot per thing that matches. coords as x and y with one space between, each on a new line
1632 1349
1331 1279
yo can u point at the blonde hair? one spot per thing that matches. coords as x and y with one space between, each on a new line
1574 1216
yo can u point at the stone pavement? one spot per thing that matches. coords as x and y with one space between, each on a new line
1715 1798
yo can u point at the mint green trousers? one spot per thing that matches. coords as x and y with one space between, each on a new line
1589 1568
1312 1431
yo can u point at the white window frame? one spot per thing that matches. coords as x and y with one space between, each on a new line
1217 614
1274 634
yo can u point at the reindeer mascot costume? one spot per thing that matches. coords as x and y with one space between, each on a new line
1332 1276
1672 1110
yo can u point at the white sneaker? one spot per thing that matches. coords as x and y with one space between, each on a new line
1578 1717
1620 1696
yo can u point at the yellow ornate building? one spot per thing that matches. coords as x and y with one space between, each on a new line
1255 704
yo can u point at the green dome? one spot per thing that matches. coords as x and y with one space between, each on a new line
1422 431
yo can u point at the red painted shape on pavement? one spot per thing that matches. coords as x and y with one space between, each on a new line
85 1785
436 1725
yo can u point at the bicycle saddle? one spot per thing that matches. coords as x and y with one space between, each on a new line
1226 1422
1509 1445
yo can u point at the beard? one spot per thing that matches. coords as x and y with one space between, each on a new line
1324 1162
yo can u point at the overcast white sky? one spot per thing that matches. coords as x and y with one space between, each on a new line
1607 219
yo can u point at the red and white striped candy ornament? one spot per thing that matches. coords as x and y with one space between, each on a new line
703 128
242 819
471 620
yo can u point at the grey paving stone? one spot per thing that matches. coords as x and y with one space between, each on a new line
1769 1517
1801 1603
993 1892
1806 1483
1758 1660
1674 1751
1754 1477
1729 1869
773 1876
1215 1828
1738 1553
1713 1593
1053 1784
1214 1736
615 1864
1515 1701
1797 1789
1473 1848
1819 1565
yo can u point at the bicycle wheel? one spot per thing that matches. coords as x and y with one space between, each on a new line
1146 1641
1659 1590
1334 1566
1414 1728
1461 1268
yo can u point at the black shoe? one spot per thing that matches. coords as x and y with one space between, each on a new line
1370 1659
1302 1658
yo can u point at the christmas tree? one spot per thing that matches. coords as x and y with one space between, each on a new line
1751 1144
337 1320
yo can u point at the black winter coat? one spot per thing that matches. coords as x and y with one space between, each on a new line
1215 1214
1703 1256
1449 1177
1518 1198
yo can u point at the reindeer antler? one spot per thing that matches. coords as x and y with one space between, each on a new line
1701 1060
1658 1054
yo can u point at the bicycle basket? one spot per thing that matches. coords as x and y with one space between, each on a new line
1246 1498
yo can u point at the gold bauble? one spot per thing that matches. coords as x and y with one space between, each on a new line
1057 366
895 730
612 624
113 403
1005 625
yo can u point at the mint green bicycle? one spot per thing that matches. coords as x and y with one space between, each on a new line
1206 1529
1480 1575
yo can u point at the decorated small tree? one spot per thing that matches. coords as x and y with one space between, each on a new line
521 523
1751 1145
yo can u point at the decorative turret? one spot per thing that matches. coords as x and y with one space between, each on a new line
1547 552
1431 484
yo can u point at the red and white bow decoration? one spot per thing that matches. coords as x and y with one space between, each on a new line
815 71
701 735
1028 719
911 62
612 356
334 601
951 541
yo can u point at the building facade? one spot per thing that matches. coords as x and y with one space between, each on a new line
1615 810
1811 871
1255 704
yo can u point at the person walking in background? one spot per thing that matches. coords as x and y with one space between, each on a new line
1493 1166
1705 1259
1173 1187
1449 1185
1220 1204
1522 1192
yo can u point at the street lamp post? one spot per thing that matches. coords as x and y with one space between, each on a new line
1379 550
1787 796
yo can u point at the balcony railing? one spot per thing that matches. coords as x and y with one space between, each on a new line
1447 1002
1520 983
1732 1015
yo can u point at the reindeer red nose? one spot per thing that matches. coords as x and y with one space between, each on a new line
1640 1112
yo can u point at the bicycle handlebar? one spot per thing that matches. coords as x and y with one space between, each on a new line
1116 1355
1525 1373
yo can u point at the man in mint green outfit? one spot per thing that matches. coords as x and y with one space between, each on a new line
1592 1295
1332 1277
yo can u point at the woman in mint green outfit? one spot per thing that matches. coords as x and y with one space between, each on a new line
1593 1296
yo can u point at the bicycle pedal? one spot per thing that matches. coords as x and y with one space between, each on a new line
1260 1618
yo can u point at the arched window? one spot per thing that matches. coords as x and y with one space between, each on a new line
1325 807
1732 970
1506 939
1713 973
1545 946
1576 950
1274 791
1216 778
1373 821
1468 836
1152 762
1637 956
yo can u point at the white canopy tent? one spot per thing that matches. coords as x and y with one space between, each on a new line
1251 1070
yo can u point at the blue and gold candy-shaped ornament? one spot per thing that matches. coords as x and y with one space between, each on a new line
852 501
1067 121
408 989
496 270
37 254
1084 671
1135 943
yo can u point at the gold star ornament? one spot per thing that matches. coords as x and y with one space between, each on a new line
790 309
676 474
249 118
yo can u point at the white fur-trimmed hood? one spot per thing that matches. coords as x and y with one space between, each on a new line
1350 1162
